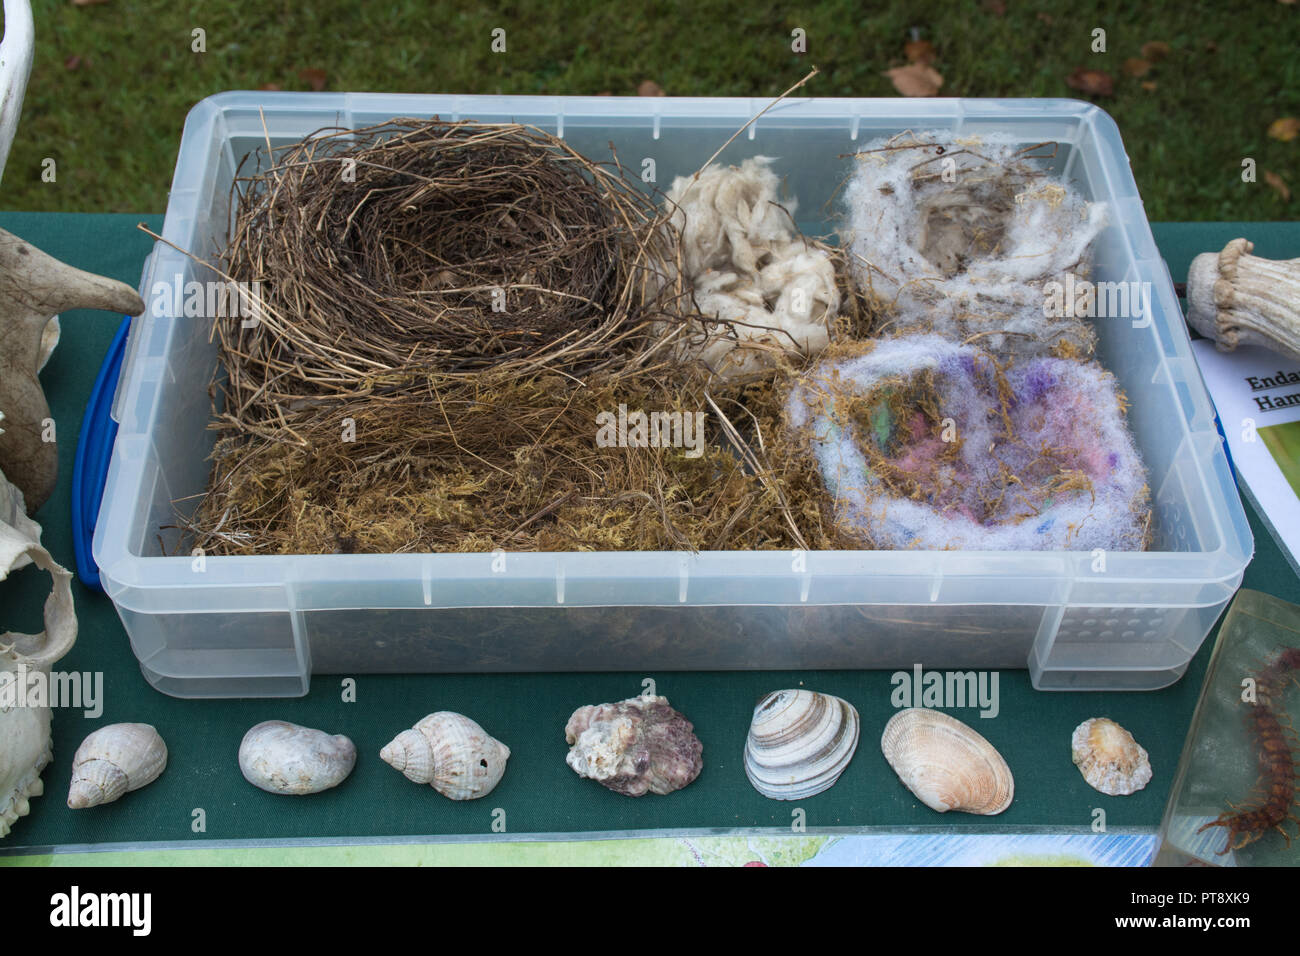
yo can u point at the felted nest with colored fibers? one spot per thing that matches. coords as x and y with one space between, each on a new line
926 444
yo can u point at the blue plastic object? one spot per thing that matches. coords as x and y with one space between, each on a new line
94 449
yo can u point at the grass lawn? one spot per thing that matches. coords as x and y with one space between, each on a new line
112 81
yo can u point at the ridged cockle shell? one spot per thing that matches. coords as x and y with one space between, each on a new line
947 765
280 757
115 760
799 743
451 753
634 747
1109 758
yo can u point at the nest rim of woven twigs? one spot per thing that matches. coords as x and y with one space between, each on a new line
572 252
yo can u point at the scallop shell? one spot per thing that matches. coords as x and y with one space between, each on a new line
280 757
1109 758
115 760
799 743
946 764
451 753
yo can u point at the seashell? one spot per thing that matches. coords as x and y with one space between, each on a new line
634 747
280 757
1109 758
115 760
946 764
451 753
799 743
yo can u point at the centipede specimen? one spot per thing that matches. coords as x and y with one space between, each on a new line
1275 737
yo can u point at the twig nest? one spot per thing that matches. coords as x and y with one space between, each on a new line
115 760
1236 299
451 753
772 291
280 757
1109 758
799 743
633 747
923 443
960 236
946 764
457 247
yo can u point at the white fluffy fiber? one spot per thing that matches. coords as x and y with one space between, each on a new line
897 192
750 266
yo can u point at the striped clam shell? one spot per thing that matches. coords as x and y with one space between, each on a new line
799 743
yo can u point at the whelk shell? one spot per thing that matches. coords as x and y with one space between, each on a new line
451 753
1109 758
946 764
280 757
115 760
799 743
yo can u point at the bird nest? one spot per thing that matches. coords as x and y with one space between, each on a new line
446 312
401 255
924 443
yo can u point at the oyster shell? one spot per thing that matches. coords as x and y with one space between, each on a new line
633 747
799 743
451 753
115 760
1109 758
946 764
280 757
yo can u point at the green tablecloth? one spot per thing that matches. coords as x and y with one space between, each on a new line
539 794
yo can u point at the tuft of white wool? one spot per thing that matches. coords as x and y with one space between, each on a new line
772 292
997 230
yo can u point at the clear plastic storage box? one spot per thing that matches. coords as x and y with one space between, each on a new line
261 626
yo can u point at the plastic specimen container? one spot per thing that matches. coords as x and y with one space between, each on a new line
216 626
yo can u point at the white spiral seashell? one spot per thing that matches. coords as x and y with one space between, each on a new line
280 757
947 765
799 743
451 753
115 760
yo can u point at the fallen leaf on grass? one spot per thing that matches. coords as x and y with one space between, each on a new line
87 3
996 7
74 62
1156 50
915 79
269 87
649 88
919 51
1136 67
1285 129
313 77
1279 185
1092 82
1211 46
1149 85
1045 17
